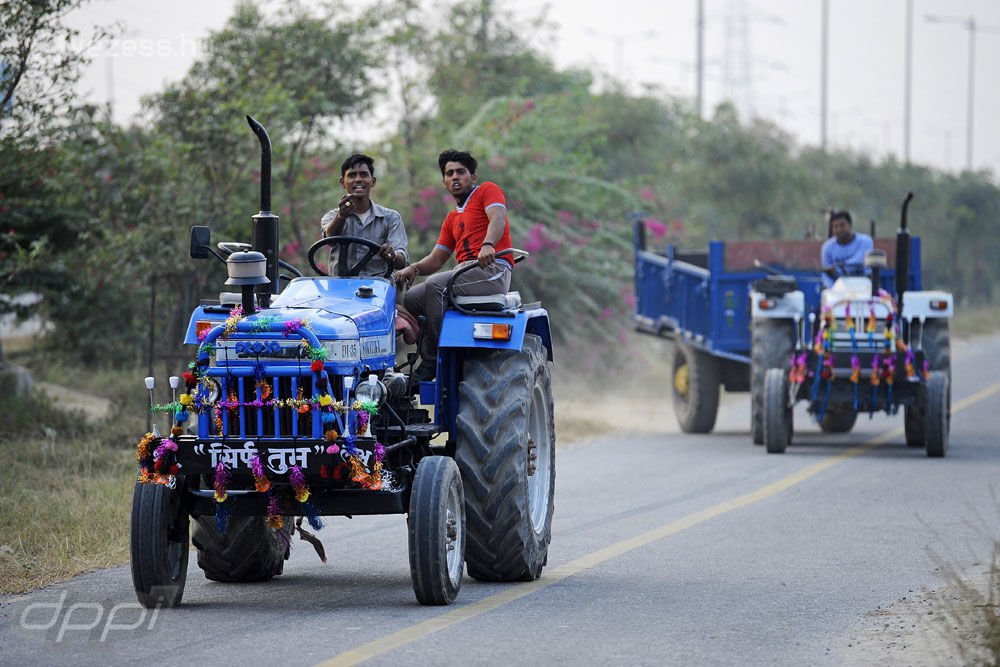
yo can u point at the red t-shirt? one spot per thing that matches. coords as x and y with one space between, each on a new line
464 229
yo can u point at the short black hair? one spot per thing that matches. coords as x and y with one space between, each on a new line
357 158
464 158
841 215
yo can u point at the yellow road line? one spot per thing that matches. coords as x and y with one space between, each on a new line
554 575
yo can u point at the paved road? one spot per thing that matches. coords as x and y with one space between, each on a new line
667 549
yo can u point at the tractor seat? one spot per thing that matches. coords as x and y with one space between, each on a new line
407 326
491 303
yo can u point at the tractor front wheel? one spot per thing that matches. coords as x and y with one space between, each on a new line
159 546
436 523
777 412
937 414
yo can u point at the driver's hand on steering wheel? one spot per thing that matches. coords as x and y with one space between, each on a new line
388 253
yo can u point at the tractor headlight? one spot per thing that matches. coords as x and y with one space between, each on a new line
208 390
371 391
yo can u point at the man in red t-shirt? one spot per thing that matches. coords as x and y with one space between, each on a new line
474 232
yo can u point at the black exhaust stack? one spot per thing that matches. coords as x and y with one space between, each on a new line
264 225
903 253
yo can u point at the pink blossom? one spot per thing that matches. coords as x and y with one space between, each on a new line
647 195
538 240
606 313
428 193
529 105
658 228
592 225
291 248
497 162
285 210
581 241
421 217
565 217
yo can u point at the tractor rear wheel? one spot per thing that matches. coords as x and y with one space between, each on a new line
696 381
937 414
159 545
777 411
436 523
249 550
838 421
506 452
771 345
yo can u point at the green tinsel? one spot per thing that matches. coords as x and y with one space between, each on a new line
168 407
371 407
262 324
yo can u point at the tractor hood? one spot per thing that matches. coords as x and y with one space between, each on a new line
334 308
326 303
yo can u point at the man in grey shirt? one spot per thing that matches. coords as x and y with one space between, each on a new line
357 215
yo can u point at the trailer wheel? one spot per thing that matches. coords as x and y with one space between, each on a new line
506 448
937 414
777 411
249 550
695 382
159 548
935 339
436 526
838 421
771 345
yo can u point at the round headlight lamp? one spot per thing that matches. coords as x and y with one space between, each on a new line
208 390
371 391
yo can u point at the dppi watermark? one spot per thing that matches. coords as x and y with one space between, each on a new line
60 620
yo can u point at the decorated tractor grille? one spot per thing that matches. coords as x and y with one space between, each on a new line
867 350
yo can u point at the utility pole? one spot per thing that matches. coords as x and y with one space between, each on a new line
969 23
824 66
908 83
700 59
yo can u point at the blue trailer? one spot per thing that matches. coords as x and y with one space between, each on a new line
701 301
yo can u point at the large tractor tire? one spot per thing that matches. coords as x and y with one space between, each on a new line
436 526
935 338
777 412
506 451
696 381
838 421
159 546
249 550
937 414
771 343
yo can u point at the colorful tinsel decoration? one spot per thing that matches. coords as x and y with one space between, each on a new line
274 518
262 483
142 451
235 315
299 486
221 482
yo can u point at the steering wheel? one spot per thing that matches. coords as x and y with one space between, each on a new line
846 269
344 242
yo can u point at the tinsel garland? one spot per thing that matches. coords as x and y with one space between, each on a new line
262 483
299 486
221 482
274 518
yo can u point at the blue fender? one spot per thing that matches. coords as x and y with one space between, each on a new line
456 330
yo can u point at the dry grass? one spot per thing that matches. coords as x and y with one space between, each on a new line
64 496
979 321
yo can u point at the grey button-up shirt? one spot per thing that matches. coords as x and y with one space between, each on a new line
381 225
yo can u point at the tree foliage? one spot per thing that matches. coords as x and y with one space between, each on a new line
96 215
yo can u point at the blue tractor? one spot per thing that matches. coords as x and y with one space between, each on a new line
294 408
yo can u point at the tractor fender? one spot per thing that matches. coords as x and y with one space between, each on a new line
457 328
789 306
928 304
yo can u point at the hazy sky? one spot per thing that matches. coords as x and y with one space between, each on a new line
762 54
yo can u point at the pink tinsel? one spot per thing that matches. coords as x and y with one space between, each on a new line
221 482
298 481
293 326
166 445
379 451
333 449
